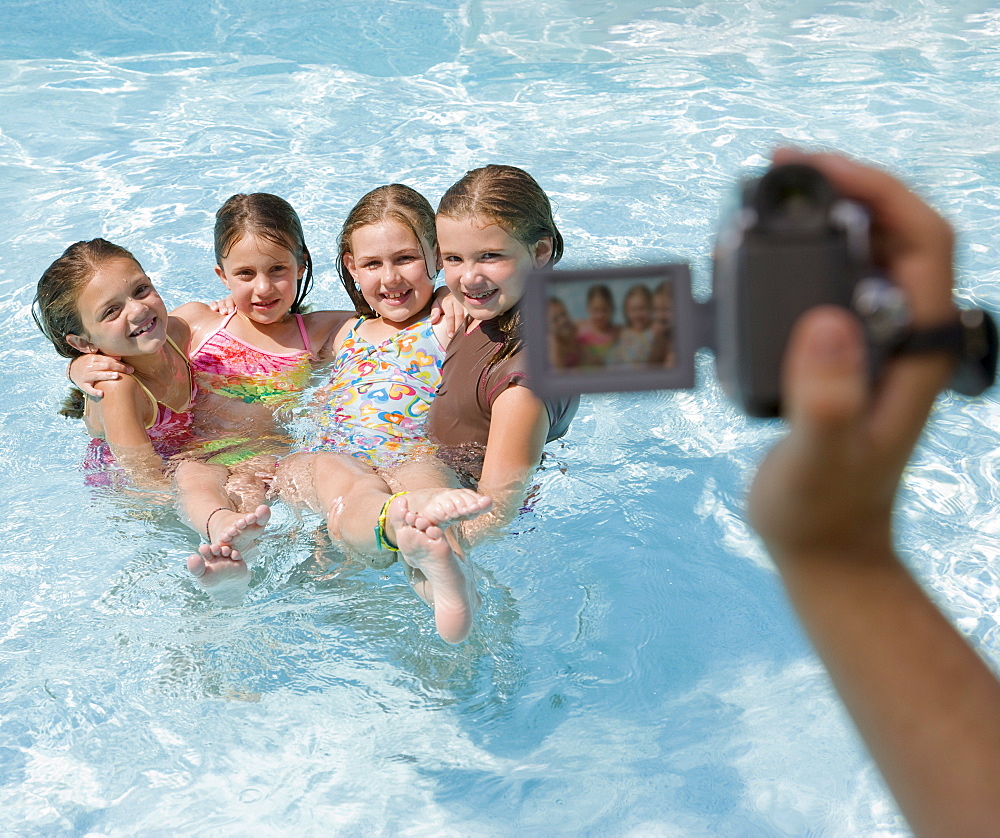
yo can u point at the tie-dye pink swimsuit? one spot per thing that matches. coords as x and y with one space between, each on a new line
225 365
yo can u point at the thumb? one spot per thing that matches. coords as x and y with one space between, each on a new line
825 377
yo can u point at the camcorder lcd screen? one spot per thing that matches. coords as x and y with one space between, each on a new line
611 329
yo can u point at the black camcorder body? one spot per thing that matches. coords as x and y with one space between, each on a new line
789 244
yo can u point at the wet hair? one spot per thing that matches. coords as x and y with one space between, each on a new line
512 199
395 202
267 217
55 307
603 292
555 301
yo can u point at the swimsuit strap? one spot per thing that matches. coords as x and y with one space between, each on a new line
177 349
303 333
220 328
155 401
223 327
353 332
156 404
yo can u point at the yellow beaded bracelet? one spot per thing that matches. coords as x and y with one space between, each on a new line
381 539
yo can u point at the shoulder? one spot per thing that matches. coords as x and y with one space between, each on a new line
180 331
517 398
118 389
195 312
122 396
198 319
519 406
327 329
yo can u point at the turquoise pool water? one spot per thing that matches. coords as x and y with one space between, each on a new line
635 670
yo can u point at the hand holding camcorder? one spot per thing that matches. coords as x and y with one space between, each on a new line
791 244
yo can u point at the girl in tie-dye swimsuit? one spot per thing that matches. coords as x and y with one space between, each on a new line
231 368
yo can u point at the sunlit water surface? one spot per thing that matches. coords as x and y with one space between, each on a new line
635 669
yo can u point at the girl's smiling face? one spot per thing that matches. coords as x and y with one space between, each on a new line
121 312
637 312
263 278
392 269
484 266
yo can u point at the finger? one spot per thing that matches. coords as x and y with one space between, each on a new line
906 392
919 253
92 391
825 387
100 375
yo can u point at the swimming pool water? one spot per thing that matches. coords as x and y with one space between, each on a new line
636 670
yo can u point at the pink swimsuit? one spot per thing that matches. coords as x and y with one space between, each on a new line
229 367
169 432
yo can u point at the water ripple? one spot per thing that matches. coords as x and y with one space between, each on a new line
635 669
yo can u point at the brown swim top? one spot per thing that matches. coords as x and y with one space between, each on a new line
459 418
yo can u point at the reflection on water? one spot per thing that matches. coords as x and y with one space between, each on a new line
635 668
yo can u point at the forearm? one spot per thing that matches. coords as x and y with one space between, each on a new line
926 705
144 467
518 430
508 498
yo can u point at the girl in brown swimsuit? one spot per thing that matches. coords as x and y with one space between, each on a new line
494 227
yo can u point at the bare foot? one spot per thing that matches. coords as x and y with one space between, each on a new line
238 531
434 510
444 580
215 564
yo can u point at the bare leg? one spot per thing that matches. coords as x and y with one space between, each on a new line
208 509
352 497
201 489
346 491
249 481
440 575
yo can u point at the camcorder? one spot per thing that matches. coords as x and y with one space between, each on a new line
791 243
